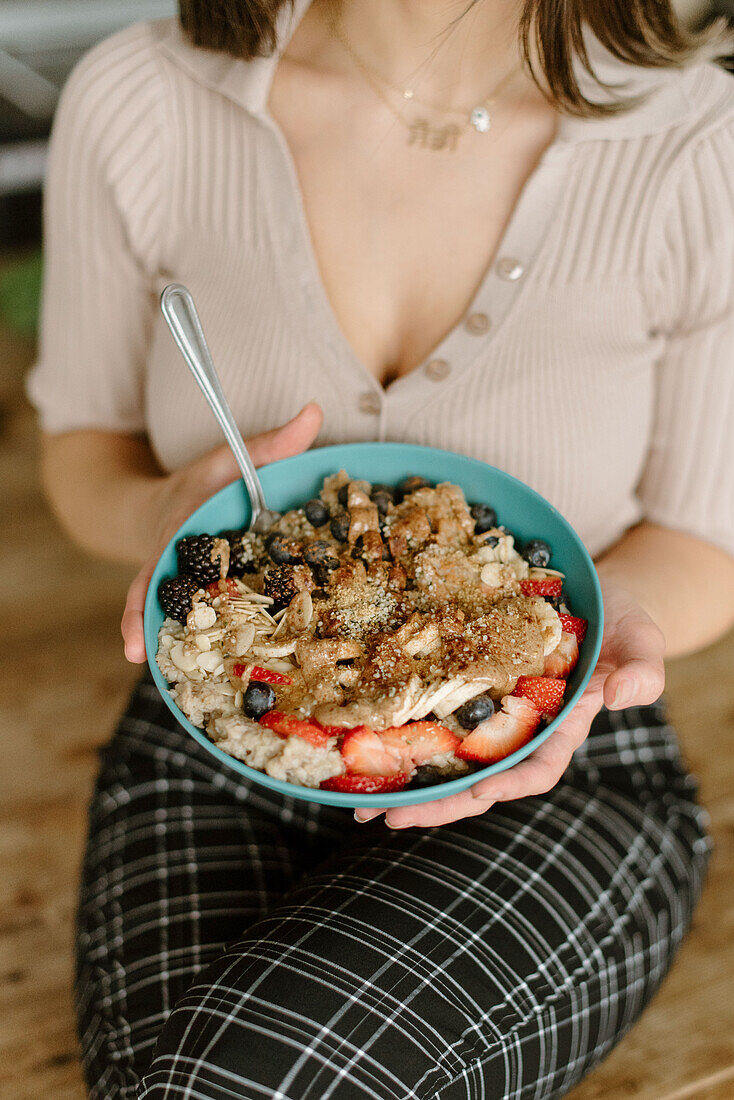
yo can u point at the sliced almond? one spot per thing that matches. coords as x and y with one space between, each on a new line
203 642
283 649
184 661
203 616
278 666
244 638
209 662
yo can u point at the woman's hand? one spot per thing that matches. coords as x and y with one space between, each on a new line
180 493
629 672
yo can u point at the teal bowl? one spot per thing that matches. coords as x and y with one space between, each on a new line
289 483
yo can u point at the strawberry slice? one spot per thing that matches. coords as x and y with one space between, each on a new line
287 725
562 660
574 626
214 590
366 753
336 731
418 742
543 692
365 784
505 732
550 587
264 675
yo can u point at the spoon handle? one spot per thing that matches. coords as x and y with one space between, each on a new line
177 306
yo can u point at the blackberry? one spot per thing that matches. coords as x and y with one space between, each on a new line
475 711
284 550
241 558
339 527
316 511
412 484
258 699
484 518
282 582
176 596
536 552
194 555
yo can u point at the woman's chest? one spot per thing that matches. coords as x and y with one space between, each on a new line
401 235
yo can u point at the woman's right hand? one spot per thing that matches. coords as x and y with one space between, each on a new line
180 493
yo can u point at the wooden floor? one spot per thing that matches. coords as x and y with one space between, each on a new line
65 680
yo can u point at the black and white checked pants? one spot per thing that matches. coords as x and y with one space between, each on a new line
236 944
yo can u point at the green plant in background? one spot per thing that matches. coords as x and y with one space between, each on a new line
20 292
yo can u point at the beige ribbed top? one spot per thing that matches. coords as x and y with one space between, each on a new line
596 361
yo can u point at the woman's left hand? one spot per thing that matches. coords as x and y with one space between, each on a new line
629 672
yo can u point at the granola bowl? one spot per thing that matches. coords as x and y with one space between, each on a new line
518 516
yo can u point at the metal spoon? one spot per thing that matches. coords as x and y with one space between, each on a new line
177 306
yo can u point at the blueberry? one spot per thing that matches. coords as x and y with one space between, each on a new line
536 552
412 484
339 527
319 552
485 518
383 502
316 511
475 711
387 490
492 541
343 495
258 699
284 550
425 776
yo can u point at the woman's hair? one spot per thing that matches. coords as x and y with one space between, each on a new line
642 32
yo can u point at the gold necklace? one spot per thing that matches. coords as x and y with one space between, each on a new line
421 131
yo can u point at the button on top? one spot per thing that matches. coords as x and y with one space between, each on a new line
478 323
437 369
509 268
369 403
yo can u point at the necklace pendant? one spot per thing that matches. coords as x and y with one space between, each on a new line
436 138
480 119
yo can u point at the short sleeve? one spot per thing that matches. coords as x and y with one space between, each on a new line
102 230
688 479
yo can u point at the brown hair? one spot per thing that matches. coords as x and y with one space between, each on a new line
642 32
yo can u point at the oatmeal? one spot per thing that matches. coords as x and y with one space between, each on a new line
376 637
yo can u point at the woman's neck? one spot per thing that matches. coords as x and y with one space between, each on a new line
456 50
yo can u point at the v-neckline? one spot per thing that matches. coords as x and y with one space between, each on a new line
496 292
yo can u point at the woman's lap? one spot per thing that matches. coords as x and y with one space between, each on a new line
499 956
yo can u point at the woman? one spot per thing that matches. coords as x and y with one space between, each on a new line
442 225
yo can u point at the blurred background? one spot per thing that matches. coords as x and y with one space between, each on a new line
65 679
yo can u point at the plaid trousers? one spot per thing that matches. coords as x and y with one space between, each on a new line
233 943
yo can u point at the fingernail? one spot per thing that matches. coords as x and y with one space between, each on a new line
489 797
623 694
405 825
361 820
